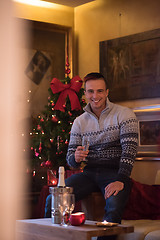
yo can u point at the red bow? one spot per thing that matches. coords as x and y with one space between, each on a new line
69 89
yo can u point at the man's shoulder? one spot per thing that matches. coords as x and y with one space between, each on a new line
81 117
123 112
120 108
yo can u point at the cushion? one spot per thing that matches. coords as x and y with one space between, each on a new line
142 228
155 235
143 202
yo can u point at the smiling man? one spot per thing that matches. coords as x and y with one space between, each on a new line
113 136
96 94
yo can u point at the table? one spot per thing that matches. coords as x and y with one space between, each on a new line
43 229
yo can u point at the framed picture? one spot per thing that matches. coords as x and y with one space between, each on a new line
131 66
149 133
46 55
37 67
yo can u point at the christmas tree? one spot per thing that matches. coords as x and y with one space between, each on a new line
51 129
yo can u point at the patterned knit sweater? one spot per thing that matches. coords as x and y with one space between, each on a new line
113 139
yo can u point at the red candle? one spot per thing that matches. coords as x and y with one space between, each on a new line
77 219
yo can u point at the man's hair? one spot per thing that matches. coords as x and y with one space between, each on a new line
95 76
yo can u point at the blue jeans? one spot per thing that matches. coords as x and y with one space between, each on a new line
92 180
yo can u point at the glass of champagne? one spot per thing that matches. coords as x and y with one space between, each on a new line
64 206
71 203
85 144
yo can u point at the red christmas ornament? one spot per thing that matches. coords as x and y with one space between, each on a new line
66 142
52 104
48 164
40 147
42 120
70 114
43 164
51 140
33 173
54 119
36 153
38 127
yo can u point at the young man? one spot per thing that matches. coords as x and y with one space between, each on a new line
113 135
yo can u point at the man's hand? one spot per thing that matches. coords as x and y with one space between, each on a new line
113 188
80 154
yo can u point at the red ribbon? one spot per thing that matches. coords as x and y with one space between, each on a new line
69 89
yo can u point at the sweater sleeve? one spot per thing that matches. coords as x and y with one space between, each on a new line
129 144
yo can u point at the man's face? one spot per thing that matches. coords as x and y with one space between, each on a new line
96 94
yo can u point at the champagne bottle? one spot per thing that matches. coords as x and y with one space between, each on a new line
61 182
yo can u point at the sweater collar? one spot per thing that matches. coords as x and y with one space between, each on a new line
108 107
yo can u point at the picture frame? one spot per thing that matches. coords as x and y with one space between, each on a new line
131 66
37 67
49 48
149 133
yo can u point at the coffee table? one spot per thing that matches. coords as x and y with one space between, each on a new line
43 229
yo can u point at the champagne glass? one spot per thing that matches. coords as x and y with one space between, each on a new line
71 203
85 144
63 204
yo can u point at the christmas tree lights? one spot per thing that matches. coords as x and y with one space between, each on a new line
51 129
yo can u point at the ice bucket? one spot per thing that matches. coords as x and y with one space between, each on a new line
56 191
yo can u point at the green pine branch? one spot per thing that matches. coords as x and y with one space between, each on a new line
51 131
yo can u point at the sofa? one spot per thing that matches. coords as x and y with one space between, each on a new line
142 211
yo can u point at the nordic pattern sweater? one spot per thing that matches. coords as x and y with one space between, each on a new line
113 139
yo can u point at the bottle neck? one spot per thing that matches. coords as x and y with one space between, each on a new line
61 181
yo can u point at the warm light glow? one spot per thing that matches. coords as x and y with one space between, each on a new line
104 221
39 3
151 108
78 213
54 182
